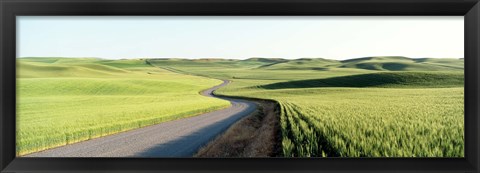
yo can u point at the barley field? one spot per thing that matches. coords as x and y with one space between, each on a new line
365 107
66 100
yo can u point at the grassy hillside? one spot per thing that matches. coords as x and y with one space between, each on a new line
66 100
383 79
403 64
366 107
303 63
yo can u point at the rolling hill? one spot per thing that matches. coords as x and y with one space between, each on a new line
67 100
394 63
389 106
363 107
383 80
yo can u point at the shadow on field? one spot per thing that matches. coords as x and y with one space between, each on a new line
191 143
384 79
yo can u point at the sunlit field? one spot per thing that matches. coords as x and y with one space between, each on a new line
366 107
65 100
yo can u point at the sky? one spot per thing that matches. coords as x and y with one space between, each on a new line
240 37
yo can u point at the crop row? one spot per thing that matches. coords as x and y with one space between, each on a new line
322 132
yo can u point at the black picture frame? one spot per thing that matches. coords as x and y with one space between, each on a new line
9 9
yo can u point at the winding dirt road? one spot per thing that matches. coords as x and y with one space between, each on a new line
178 138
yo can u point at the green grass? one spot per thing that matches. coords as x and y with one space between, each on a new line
404 64
383 79
400 107
303 63
364 107
373 122
65 100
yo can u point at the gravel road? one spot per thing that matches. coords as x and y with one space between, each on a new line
178 138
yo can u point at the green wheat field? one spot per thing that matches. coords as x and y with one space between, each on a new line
363 107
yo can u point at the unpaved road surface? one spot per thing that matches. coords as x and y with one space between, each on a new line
178 138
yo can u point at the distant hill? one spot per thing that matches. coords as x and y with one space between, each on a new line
75 67
382 79
266 60
302 63
259 62
398 63
377 58
381 63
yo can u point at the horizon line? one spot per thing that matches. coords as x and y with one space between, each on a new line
240 58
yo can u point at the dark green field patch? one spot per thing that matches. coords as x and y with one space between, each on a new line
384 80
403 64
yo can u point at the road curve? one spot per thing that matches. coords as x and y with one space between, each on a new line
178 138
